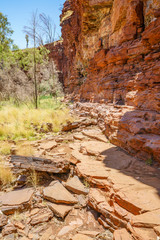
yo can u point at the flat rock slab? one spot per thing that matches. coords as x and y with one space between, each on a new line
97 199
46 235
60 210
145 233
57 193
16 200
78 136
48 145
75 185
65 230
122 234
93 169
95 134
89 233
132 198
113 157
55 165
81 237
148 219
16 197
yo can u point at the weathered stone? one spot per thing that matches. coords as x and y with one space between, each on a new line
81 237
72 225
44 215
48 145
122 234
148 219
82 200
46 235
59 210
57 193
157 230
3 220
9 237
65 230
145 233
79 136
70 126
98 200
89 233
16 200
75 185
95 134
9 229
55 165
19 225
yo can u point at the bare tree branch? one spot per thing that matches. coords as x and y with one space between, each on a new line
48 27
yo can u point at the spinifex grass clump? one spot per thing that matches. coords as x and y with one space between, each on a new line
6 175
23 121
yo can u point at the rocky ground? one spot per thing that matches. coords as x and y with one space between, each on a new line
83 187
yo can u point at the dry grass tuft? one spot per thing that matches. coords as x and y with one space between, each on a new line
5 148
17 216
6 175
33 179
25 149
24 122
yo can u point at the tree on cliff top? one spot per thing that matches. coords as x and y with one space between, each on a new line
5 33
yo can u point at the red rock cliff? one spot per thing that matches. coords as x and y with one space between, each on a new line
112 54
56 55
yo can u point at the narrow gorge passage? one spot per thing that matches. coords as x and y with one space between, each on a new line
80 124
88 189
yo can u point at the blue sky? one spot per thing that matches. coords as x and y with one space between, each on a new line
19 13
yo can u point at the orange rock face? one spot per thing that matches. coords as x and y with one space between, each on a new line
56 54
112 55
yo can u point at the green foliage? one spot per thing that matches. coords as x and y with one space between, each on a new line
5 33
24 58
149 161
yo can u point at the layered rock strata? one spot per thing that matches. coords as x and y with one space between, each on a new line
111 55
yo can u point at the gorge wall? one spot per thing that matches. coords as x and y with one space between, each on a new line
111 55
56 55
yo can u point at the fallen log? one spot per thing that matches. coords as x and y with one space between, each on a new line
55 165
